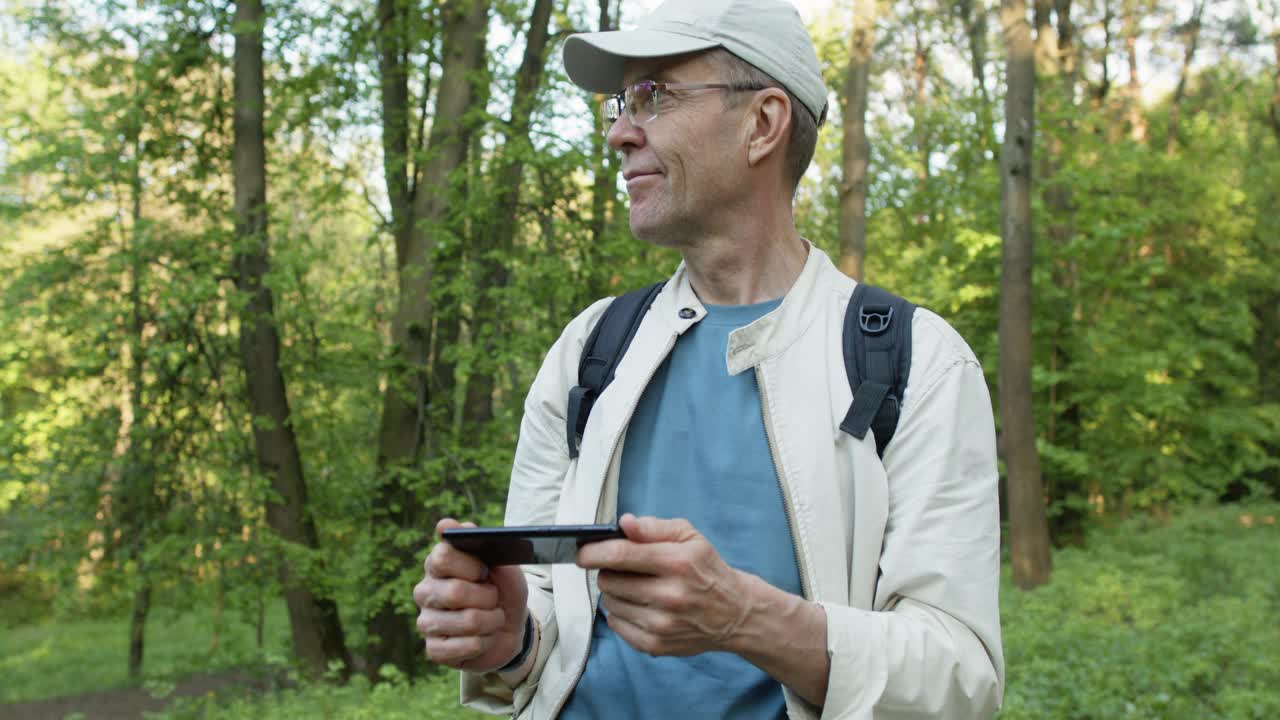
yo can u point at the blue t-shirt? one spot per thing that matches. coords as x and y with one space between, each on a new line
696 449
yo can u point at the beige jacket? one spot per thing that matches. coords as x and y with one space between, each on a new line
903 556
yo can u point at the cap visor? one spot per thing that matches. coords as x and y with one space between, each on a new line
595 61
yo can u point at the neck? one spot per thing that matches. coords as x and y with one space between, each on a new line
753 257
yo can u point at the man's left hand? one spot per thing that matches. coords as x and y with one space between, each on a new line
666 589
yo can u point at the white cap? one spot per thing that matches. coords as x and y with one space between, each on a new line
766 33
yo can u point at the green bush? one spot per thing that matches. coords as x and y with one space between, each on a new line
1153 619
25 598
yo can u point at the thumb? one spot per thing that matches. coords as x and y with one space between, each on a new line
449 524
513 588
508 578
651 529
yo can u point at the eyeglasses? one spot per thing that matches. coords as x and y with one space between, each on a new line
642 100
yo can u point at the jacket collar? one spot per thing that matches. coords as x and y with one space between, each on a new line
679 307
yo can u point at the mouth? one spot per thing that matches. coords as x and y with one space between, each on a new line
630 175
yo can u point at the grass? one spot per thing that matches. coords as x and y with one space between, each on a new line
1153 618
70 655
432 698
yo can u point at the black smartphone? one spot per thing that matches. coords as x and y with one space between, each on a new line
529 544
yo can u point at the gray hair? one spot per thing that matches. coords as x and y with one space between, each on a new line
804 126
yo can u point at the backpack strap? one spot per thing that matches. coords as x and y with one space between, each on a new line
604 349
877 359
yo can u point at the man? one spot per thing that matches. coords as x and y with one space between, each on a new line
773 566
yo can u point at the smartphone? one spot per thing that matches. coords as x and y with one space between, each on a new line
529 544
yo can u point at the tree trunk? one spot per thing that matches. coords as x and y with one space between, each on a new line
856 148
317 632
138 626
1067 51
1137 119
1275 88
131 357
1266 352
396 162
135 479
1059 201
603 193
975 30
602 190
1175 105
1266 309
1028 527
1103 87
497 240
219 606
1046 41
404 427
924 134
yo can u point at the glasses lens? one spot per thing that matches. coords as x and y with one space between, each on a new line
611 109
640 102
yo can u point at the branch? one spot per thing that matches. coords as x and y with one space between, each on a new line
364 190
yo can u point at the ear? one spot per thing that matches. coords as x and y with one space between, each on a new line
770 125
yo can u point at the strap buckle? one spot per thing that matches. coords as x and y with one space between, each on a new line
580 401
875 319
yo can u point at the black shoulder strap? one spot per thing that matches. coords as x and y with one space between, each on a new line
605 346
877 358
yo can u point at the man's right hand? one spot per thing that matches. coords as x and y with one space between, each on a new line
472 616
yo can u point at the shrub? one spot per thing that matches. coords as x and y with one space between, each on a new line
1153 619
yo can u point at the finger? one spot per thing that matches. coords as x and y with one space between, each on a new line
446 524
633 634
648 529
449 523
460 623
456 650
513 588
447 561
631 586
626 556
643 617
449 594
644 590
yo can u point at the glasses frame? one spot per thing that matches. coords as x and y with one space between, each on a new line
613 107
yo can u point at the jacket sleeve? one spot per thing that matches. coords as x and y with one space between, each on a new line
931 647
537 474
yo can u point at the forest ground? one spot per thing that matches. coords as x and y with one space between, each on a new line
1152 617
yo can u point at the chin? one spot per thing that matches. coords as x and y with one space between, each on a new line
660 235
657 228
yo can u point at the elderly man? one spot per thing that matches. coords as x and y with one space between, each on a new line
773 566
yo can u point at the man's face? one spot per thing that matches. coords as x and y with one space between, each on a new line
680 167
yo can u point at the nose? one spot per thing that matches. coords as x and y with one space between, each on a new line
623 132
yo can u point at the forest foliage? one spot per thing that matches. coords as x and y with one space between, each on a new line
127 456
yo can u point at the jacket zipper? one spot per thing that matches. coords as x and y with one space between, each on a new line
582 666
787 503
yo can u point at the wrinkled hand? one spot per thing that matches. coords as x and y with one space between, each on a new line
471 616
666 589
